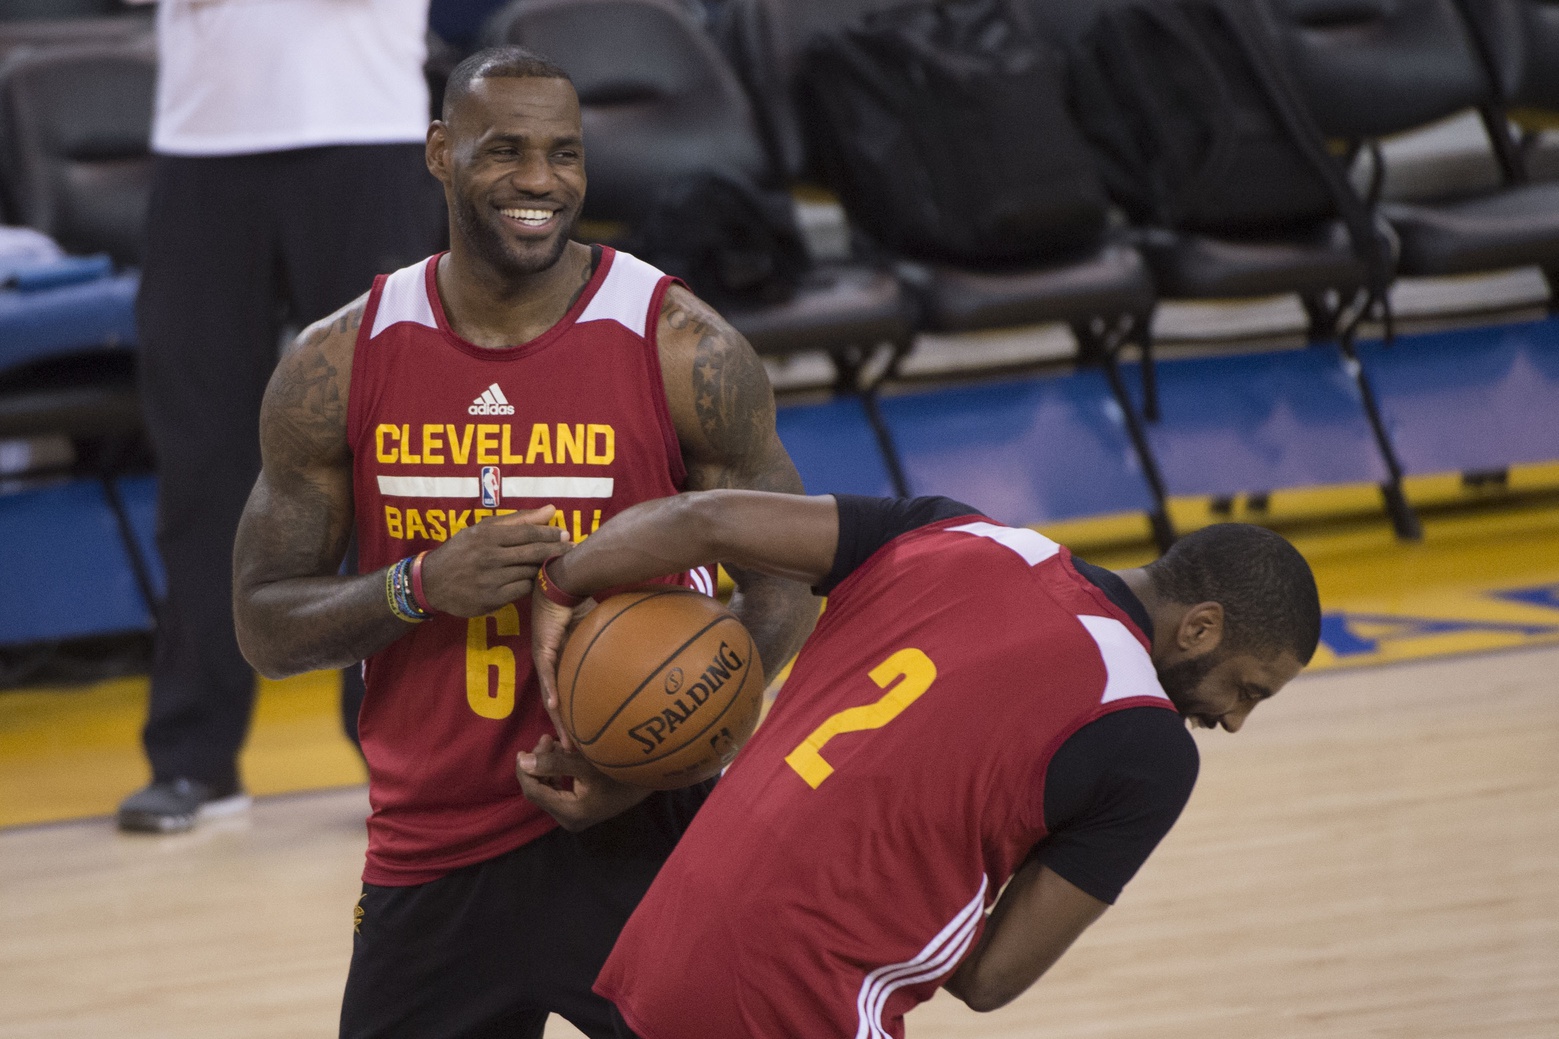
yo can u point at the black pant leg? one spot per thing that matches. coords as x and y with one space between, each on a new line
623 1031
608 868
480 952
208 328
353 212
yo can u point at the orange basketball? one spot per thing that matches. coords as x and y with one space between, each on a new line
660 687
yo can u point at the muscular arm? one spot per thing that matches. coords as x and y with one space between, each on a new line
292 611
1037 918
723 410
789 537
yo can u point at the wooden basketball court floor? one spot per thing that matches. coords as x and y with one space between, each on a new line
1375 855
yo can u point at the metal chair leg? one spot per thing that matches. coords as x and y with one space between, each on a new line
849 365
1158 516
1404 520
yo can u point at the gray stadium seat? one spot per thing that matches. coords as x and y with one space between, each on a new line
1321 261
1377 67
1519 41
75 131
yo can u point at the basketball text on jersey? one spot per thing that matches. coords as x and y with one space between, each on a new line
490 448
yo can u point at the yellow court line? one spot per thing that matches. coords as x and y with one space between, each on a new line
74 753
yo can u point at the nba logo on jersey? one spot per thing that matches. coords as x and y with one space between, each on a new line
492 487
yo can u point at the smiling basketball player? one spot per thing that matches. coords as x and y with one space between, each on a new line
470 415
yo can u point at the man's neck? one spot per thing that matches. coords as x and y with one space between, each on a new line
1165 615
495 310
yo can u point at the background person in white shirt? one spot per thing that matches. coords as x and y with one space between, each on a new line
289 143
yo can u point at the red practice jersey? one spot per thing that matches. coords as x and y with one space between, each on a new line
842 867
444 434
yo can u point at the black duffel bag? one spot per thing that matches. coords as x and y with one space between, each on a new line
944 129
737 245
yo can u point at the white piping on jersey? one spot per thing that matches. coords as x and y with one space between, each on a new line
939 957
544 487
703 580
624 297
1128 669
405 298
1033 546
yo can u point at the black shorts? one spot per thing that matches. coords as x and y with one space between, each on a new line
492 949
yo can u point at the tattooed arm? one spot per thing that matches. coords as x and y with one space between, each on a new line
292 609
723 410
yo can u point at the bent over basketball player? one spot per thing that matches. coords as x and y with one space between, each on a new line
471 415
976 708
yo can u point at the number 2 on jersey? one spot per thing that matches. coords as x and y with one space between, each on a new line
488 698
917 672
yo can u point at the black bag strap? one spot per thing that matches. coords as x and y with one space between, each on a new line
1284 95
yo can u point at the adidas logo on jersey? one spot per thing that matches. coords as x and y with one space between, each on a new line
491 402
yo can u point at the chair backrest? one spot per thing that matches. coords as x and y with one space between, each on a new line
1521 38
657 98
1374 67
767 41
75 153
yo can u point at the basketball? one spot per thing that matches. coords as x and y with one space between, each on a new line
660 687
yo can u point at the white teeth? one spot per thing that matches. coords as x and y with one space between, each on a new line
534 217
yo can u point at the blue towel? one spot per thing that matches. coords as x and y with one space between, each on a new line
69 270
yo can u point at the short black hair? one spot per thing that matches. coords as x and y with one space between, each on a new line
508 61
1265 586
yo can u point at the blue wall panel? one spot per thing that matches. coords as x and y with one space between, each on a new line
1026 451
834 448
1478 398
1258 422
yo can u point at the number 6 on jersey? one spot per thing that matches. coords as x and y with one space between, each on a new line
917 672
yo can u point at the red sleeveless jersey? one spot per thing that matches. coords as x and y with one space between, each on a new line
842 867
444 434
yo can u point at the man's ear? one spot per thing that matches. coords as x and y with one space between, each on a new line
436 152
1201 629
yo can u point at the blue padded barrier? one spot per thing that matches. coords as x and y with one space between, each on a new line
1259 422
67 573
1470 399
1023 451
834 448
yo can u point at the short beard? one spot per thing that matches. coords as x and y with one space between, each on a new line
487 243
1180 679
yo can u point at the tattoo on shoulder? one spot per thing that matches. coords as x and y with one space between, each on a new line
306 407
351 320
731 395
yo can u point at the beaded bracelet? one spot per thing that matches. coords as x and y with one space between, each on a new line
550 589
397 589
